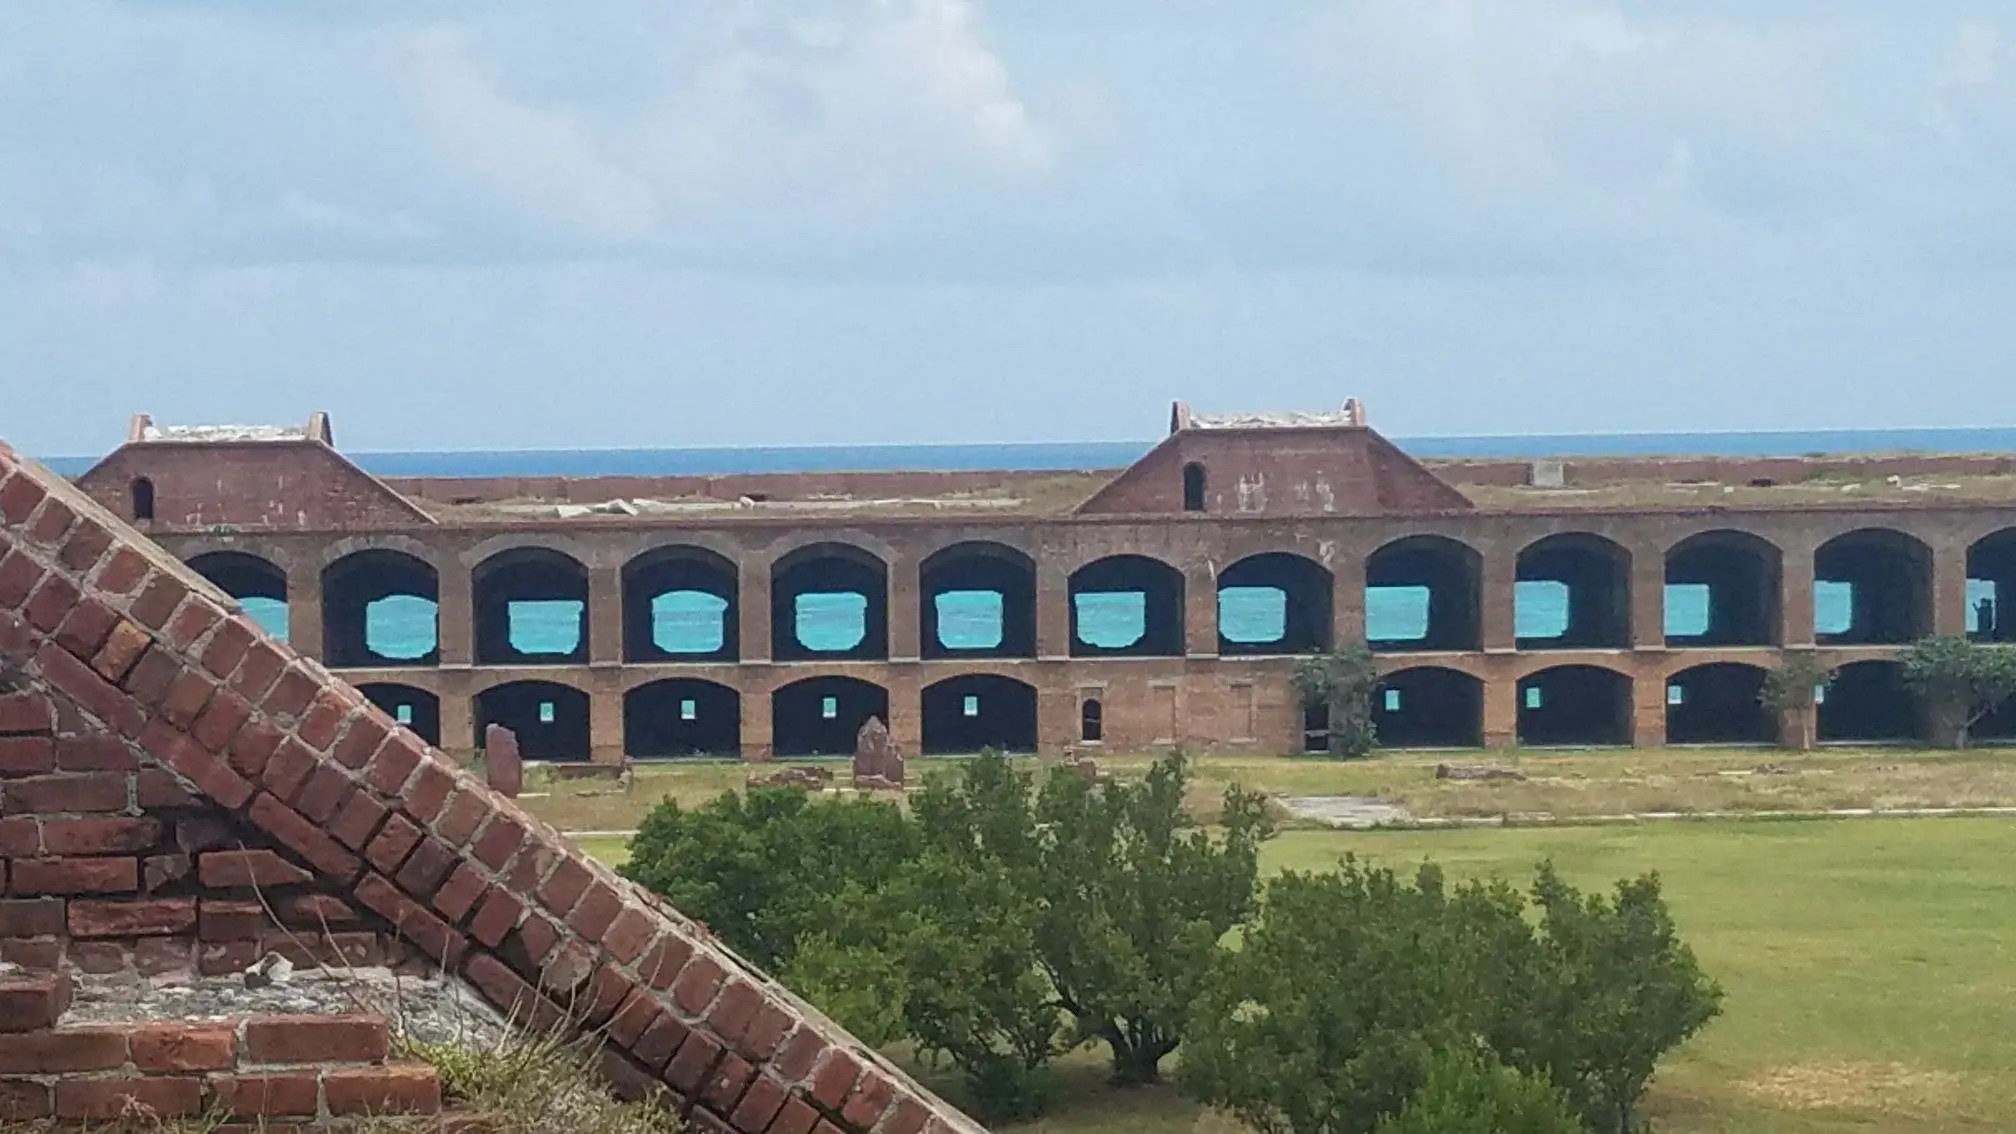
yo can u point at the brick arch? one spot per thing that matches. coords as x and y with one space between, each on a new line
105 626
483 552
284 556
785 546
338 550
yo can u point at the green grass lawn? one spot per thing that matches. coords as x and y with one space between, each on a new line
1870 967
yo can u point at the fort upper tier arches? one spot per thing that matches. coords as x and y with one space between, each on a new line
1302 532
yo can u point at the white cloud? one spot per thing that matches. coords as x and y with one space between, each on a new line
835 115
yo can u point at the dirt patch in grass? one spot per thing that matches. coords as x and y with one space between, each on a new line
1883 1087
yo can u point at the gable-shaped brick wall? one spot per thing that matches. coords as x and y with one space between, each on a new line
121 636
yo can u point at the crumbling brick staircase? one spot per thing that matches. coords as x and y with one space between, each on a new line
180 793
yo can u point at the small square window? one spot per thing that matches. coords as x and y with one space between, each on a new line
829 707
403 714
1676 694
971 707
545 712
1819 694
689 710
1392 700
1533 697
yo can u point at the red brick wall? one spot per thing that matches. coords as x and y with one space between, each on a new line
302 486
1280 472
773 486
107 626
1727 470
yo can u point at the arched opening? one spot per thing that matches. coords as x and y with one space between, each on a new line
1275 603
258 584
1573 592
550 719
1193 487
1722 589
416 709
1127 606
1092 721
143 498
1575 706
680 604
978 600
1429 707
682 716
531 608
979 711
1867 703
1718 704
822 716
1872 587
380 608
1991 588
829 600
1423 593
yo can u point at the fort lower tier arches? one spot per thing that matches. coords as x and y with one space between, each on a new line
823 716
1275 603
1868 703
552 720
1429 707
1578 706
1723 588
1719 703
411 706
980 711
682 717
1424 592
681 604
977 599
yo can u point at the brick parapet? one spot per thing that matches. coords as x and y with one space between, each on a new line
125 640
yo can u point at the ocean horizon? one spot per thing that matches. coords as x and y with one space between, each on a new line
1088 455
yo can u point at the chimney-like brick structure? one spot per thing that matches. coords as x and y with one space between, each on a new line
140 710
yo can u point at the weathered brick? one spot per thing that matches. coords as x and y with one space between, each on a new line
33 1001
19 578
872 1096
158 788
411 920
796 1117
834 1078
291 694
227 646
760 1103
96 753
99 836
159 870
20 836
315 911
260 867
143 917
121 651
26 755
90 692
26 1100
19 497
693 1064
188 695
723 1089
427 793
122 572
324 792
389 769
323 722
69 792
50 522
426 868
499 840
220 720
62 1050
563 889
254 745
360 741
316 1039
152 676
303 838
176 1048
464 813
289 768
459 894
697 985
258 671
277 1094
193 620
31 917
88 543
661 967
629 934
396 839
25 713
357 820
75 875
162 1096
496 917
86 627
396 1088
221 919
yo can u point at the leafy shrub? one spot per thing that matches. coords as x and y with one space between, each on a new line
1467 1092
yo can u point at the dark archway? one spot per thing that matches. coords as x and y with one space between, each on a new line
417 709
1720 703
680 604
1991 588
380 608
977 600
531 608
1722 589
1092 721
822 716
1429 707
1127 606
550 719
1274 603
1867 703
1573 592
979 711
682 716
829 600
1424 593
1871 587
1575 705
258 584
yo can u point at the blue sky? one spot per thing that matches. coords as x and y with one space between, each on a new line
631 223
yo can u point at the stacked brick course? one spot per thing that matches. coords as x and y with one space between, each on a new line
142 705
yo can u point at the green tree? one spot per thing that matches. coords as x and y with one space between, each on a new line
1343 681
1328 1016
1130 895
1794 687
1960 681
1467 1092
1620 989
772 867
